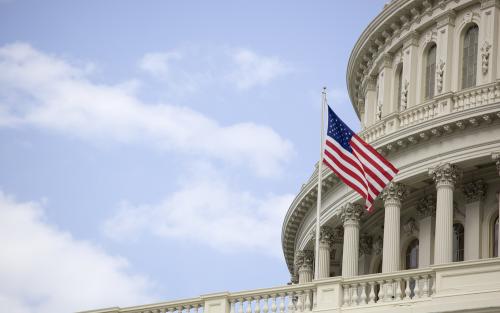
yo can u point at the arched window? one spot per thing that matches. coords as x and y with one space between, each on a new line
412 255
458 242
495 238
469 59
399 90
430 72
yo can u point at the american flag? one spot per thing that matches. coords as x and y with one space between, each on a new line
354 161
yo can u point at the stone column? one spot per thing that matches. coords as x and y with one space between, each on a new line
385 78
350 215
410 67
369 85
426 210
325 244
474 194
444 61
304 264
445 176
393 195
496 157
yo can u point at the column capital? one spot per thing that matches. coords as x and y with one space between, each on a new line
365 244
394 192
426 207
496 157
475 191
326 235
351 212
445 174
304 259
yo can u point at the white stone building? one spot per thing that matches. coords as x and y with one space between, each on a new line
424 79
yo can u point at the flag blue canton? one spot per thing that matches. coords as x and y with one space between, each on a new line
339 131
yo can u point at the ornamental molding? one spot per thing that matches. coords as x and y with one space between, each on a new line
394 192
338 234
439 75
485 56
365 244
426 207
351 212
445 174
410 228
474 191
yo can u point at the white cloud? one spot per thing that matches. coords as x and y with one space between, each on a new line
44 91
158 63
253 69
192 68
46 270
210 211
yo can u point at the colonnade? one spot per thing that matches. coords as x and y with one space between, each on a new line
432 209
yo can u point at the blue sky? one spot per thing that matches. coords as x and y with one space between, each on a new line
149 150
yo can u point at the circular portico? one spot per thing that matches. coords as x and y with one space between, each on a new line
424 80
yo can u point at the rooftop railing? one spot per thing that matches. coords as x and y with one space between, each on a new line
456 286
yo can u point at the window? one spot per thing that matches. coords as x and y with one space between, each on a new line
495 238
412 255
430 72
399 90
458 242
469 59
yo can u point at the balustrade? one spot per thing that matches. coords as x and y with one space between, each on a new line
402 286
474 97
283 300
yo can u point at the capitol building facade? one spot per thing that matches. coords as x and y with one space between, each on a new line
424 79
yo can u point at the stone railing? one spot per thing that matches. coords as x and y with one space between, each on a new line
474 97
373 132
421 113
293 298
461 286
401 286
437 107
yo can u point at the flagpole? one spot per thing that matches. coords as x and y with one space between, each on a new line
320 170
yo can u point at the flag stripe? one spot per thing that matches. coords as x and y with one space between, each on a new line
355 162
344 179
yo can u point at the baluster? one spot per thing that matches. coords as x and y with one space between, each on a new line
354 292
265 308
170 310
307 301
273 303
362 298
282 303
196 308
290 308
398 289
416 290
425 287
300 303
256 308
249 305
188 308
407 289
315 298
433 280
389 292
346 295
381 291
240 305
371 295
